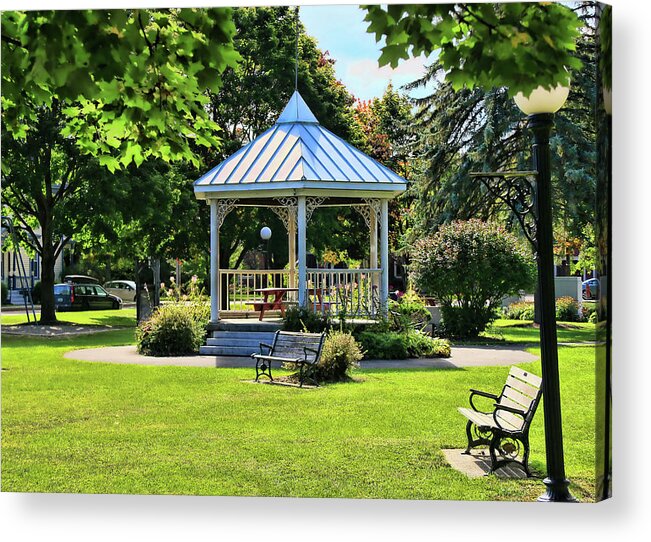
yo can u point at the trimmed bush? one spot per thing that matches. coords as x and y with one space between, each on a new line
567 309
339 356
469 266
305 320
520 310
402 345
464 322
172 330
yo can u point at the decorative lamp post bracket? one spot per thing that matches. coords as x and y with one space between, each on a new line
517 189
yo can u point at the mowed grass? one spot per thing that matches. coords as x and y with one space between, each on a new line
112 318
77 427
524 332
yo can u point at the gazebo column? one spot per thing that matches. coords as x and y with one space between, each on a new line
384 254
302 251
291 232
219 208
373 229
214 261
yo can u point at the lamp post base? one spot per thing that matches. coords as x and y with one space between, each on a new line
557 491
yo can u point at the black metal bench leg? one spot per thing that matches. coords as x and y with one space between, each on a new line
525 460
495 464
469 435
265 370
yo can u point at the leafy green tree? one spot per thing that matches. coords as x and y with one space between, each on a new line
514 45
132 81
469 266
88 89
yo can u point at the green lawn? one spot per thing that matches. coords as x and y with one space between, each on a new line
72 426
121 318
523 332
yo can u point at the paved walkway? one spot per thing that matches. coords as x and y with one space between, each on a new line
462 356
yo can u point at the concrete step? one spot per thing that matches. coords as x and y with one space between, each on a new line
236 343
254 342
243 334
246 325
227 351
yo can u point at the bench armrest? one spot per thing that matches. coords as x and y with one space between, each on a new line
510 409
481 394
307 349
267 346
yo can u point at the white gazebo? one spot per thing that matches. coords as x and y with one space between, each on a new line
295 167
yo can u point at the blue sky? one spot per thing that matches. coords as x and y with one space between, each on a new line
341 30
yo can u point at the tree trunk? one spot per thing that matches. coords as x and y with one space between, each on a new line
48 314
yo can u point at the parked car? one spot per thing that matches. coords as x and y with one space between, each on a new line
590 289
80 279
124 289
69 297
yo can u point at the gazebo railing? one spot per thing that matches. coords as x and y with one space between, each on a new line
238 286
350 292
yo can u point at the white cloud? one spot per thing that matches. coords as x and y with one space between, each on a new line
366 79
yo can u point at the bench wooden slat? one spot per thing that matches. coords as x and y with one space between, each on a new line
508 418
510 403
529 378
515 395
486 420
526 389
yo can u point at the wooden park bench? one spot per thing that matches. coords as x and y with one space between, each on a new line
505 428
300 349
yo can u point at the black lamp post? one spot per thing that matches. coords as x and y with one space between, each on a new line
540 107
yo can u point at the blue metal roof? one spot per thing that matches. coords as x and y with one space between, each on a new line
298 152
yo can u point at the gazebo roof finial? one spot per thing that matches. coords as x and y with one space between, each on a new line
297 110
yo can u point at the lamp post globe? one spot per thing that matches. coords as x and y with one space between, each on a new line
540 107
542 100
265 233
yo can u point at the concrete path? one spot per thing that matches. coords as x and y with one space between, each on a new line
462 356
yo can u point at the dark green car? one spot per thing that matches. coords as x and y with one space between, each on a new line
84 297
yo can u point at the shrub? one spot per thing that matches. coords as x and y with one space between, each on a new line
339 356
171 330
305 320
402 345
464 322
176 328
409 312
5 292
388 345
567 309
469 266
520 310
